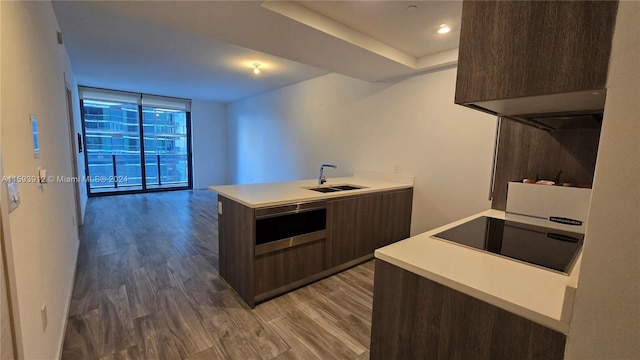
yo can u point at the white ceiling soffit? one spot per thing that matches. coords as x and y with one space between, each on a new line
363 23
326 44
408 26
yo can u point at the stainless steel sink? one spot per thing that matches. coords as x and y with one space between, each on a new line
348 187
325 189
335 188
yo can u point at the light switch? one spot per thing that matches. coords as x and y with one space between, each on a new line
220 207
14 193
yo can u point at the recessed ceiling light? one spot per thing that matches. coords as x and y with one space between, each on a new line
412 8
444 28
256 68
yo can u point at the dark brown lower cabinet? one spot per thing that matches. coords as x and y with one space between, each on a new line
416 318
394 218
355 227
351 228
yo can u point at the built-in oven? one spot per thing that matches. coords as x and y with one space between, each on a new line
281 227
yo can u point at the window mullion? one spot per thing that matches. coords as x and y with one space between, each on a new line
143 164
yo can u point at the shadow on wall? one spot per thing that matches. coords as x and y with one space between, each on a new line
257 152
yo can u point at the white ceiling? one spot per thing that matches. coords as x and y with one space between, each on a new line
114 51
204 49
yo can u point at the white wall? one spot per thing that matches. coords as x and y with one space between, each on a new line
606 319
40 237
287 133
209 138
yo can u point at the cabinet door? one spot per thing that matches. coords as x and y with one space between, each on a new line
351 228
394 218
525 48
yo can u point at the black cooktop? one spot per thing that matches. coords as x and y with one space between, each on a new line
549 248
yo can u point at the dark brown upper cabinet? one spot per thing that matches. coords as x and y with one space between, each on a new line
525 58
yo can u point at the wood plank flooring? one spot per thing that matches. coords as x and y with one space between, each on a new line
147 287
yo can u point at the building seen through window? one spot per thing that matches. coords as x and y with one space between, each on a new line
114 152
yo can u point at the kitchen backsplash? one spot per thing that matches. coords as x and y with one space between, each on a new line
527 152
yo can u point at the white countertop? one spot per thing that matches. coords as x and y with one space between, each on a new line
540 295
269 194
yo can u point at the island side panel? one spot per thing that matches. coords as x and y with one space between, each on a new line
414 317
236 234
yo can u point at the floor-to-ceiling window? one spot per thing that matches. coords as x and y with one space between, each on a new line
123 131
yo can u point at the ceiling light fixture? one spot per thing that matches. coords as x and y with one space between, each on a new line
412 8
444 28
256 68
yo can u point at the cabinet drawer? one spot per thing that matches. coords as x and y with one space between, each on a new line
277 269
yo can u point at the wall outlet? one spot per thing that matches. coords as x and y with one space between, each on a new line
43 313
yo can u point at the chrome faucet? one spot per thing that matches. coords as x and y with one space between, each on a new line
322 179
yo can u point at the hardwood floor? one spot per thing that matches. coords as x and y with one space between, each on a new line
147 287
